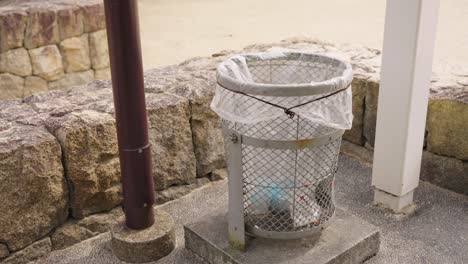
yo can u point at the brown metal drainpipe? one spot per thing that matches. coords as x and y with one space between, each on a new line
123 35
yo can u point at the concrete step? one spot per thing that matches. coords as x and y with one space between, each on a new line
348 239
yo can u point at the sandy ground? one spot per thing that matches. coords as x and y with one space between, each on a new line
174 30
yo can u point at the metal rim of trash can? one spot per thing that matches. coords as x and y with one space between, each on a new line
284 144
291 89
287 235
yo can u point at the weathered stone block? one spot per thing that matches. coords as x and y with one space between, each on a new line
32 185
89 144
42 28
51 103
70 21
171 140
34 84
72 79
11 86
93 14
101 223
175 192
69 234
359 92
32 252
203 63
15 111
198 86
75 53
449 173
75 231
47 62
4 252
447 125
208 138
365 155
93 93
16 61
370 111
12 26
102 74
218 175
99 49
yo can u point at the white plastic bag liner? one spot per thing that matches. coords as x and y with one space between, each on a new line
248 85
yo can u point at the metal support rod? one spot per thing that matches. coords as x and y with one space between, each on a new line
130 112
236 228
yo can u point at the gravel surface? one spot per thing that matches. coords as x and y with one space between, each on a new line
437 232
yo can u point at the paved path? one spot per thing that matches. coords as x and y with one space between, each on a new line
437 232
174 30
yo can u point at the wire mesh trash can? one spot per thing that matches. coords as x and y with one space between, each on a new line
283 116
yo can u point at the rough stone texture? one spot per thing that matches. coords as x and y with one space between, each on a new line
42 28
96 95
171 140
47 62
12 111
72 79
175 192
151 244
208 138
102 74
447 125
75 231
51 103
445 172
34 84
11 86
70 21
359 91
16 61
69 234
99 49
4 252
35 25
75 53
93 15
32 186
358 152
32 252
370 113
89 144
198 87
12 26
218 175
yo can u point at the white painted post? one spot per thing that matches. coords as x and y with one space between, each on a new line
410 29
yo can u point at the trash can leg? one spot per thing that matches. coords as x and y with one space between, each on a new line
236 226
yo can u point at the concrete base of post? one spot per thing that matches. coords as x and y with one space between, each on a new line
139 246
397 204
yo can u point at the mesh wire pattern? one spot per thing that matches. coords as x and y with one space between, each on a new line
287 190
286 71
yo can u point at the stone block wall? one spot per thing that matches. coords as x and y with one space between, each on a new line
58 153
49 45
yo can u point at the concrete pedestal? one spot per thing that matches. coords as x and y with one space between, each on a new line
139 246
348 239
